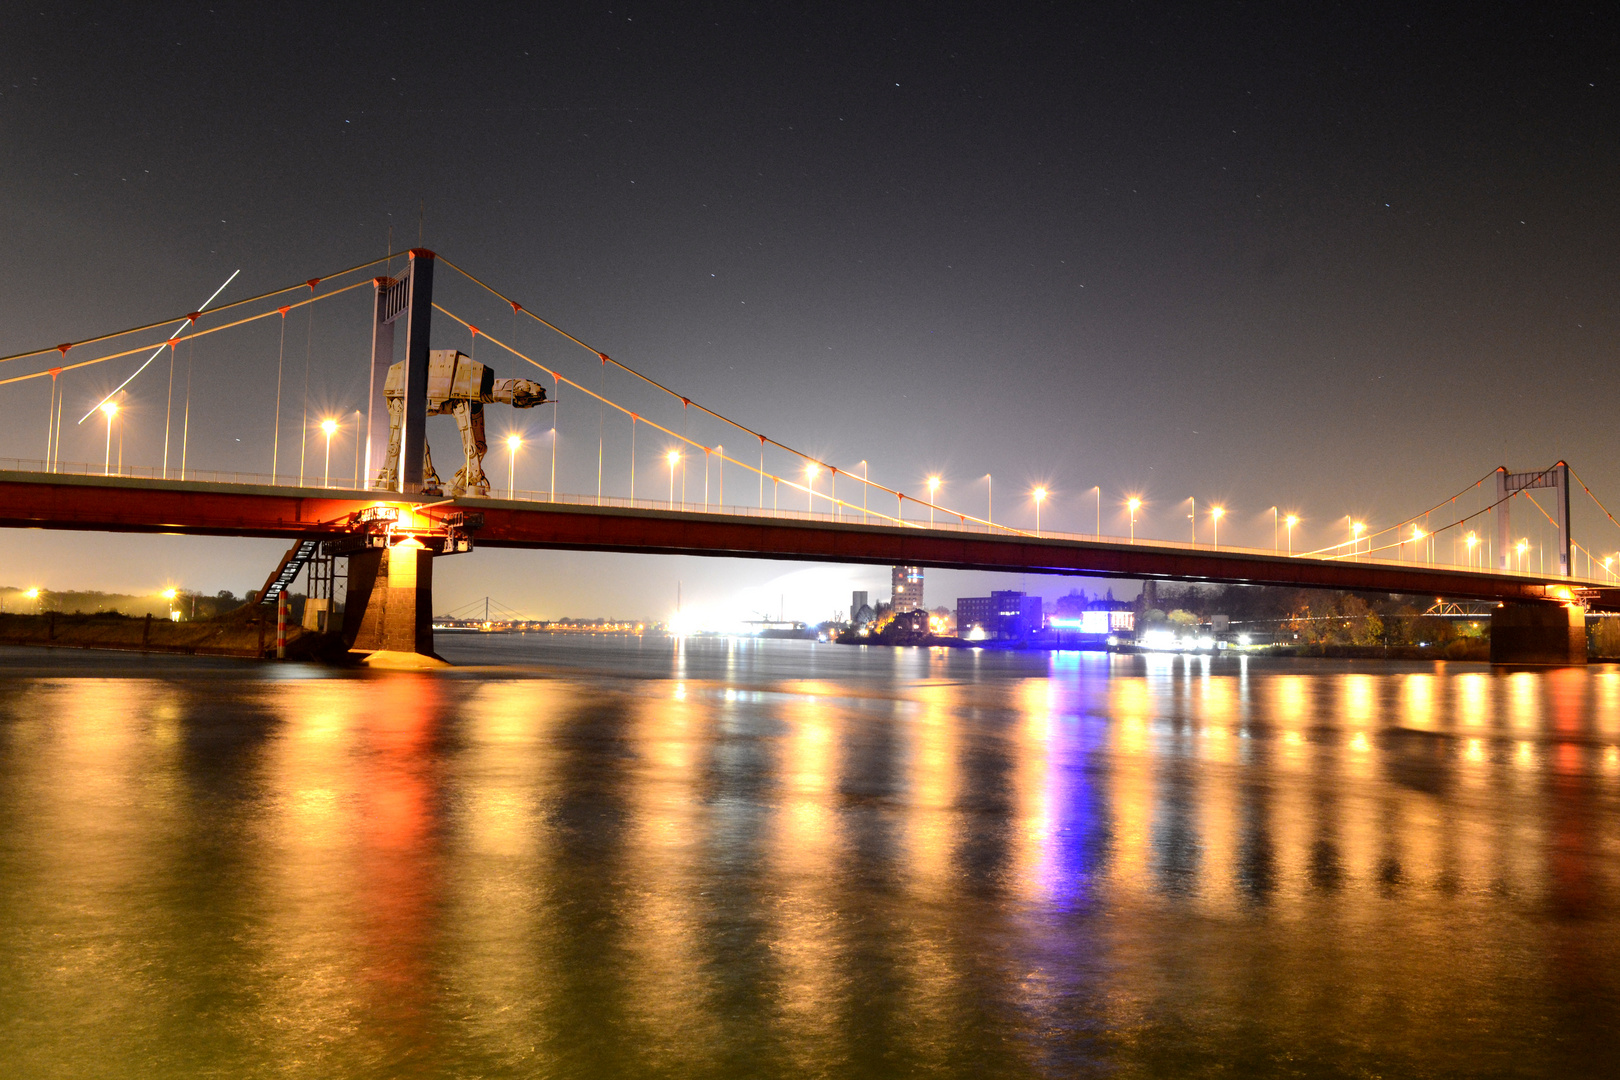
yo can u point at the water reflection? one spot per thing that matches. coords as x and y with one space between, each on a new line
884 861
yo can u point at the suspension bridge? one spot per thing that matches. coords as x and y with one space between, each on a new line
392 515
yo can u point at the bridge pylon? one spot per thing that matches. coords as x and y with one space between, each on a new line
1508 484
409 296
389 610
1538 634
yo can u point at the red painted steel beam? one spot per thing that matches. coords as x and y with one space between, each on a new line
678 533
32 500
110 504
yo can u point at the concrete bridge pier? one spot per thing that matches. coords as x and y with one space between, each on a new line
1538 634
389 611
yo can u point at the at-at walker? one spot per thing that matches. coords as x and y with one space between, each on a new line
460 386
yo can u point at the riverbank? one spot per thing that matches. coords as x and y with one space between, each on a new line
1478 649
243 633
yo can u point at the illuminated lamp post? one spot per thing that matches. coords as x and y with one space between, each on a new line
989 500
1607 559
512 444
1133 504
328 426
1356 529
110 409
672 457
864 486
1521 547
1470 540
1417 542
1291 520
810 472
933 489
1215 523
1040 497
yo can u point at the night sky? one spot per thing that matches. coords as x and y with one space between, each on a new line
1338 259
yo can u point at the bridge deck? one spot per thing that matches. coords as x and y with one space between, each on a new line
112 504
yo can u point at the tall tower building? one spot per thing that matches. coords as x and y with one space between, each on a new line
907 583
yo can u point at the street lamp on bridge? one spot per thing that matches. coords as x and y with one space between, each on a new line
810 472
512 444
1471 540
672 457
1291 520
1215 515
933 489
110 409
329 426
1133 504
1040 497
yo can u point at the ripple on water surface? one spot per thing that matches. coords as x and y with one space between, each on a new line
726 858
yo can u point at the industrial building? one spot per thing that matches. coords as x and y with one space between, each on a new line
1001 616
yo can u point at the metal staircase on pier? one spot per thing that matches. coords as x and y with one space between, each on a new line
292 563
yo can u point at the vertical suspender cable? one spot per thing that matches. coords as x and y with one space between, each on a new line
61 399
601 418
185 428
762 472
303 427
281 354
168 411
50 420
632 459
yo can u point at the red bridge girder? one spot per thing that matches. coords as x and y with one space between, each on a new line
34 500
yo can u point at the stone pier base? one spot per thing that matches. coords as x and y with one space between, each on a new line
389 609
1538 634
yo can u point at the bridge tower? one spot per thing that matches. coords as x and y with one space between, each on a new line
409 296
1508 483
1550 633
390 606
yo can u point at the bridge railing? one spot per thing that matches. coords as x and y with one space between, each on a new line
842 516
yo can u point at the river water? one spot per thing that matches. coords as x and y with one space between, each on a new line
576 858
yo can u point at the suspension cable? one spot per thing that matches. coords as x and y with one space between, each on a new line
65 346
698 446
1591 496
686 401
187 337
682 398
1411 520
